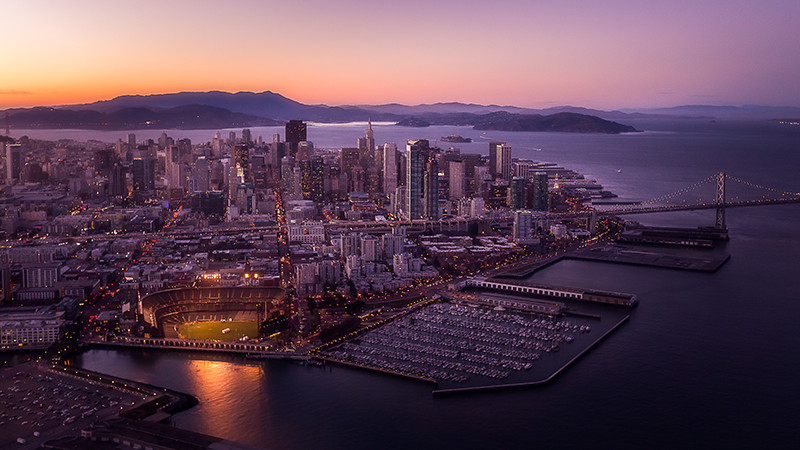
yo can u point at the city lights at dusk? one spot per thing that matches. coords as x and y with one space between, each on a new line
364 224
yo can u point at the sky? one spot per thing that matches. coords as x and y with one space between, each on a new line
607 54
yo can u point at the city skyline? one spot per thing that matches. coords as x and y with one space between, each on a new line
533 54
422 225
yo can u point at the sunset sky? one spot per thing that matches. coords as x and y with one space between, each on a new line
601 54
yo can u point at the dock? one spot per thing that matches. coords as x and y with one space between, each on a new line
538 382
670 258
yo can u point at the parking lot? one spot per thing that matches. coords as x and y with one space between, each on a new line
38 404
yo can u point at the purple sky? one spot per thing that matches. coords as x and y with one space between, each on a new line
603 54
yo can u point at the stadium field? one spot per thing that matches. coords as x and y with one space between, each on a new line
214 330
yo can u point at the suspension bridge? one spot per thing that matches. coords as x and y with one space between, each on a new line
754 195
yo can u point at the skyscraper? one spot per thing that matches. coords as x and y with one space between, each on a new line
185 150
456 179
312 178
295 133
103 161
144 174
493 157
287 172
366 148
116 181
540 196
13 163
470 161
348 160
172 166
503 170
258 171
277 150
432 189
241 157
516 193
305 150
202 173
389 168
417 155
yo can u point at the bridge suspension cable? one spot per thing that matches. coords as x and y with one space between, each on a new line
759 186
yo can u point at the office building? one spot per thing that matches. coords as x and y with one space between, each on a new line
241 157
143 171
389 168
417 156
117 183
432 189
494 157
516 193
312 174
456 179
540 196
295 133
14 163
366 148
503 170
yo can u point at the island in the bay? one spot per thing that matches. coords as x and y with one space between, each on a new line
456 139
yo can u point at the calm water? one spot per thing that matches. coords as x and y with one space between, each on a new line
707 360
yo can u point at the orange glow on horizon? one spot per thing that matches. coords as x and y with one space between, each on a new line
606 55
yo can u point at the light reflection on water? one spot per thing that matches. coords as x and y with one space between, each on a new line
219 386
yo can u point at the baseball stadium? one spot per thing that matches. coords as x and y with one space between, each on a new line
215 313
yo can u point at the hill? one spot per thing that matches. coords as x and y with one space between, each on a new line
136 118
562 122
215 109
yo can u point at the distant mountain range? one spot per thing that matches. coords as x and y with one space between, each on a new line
215 109
136 118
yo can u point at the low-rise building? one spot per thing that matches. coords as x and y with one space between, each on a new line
22 328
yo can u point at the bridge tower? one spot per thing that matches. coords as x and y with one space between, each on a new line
720 222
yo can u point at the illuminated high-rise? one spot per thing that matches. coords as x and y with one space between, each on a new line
117 186
295 133
431 189
143 171
516 193
287 172
366 148
312 173
417 155
503 170
540 195
305 150
14 163
389 168
493 157
456 179
241 157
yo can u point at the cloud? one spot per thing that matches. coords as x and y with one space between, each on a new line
14 92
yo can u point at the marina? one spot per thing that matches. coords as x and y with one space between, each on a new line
464 346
